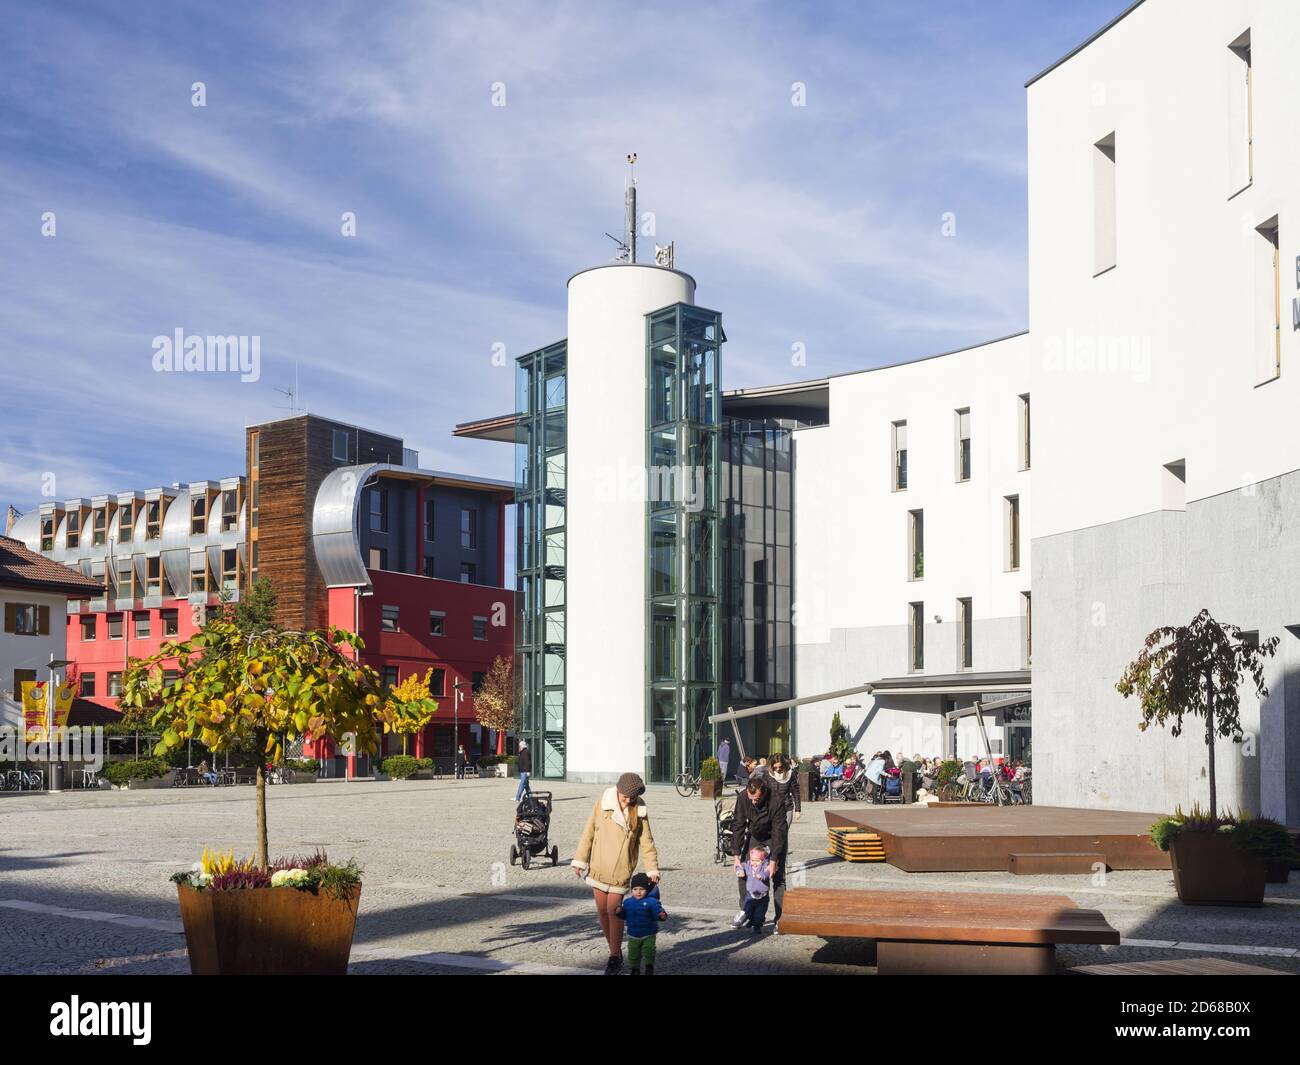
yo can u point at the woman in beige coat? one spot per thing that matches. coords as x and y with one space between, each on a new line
616 836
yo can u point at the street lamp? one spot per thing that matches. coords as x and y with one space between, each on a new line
54 663
458 687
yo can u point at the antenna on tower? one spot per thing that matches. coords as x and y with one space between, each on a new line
292 394
629 208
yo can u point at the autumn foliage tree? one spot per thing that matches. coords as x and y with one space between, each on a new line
410 706
260 687
1197 669
495 704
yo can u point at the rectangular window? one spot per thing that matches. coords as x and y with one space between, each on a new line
963 444
198 573
379 510
340 450
430 568
1013 532
438 683
900 456
480 628
229 510
1024 432
437 623
125 522
114 684
916 636
99 532
74 528
88 685
27 619
88 629
153 520
255 449
389 677
1027 628
468 529
47 534
965 634
21 675
1268 302
379 558
390 619
153 575
125 578
199 515
1104 225
171 622
916 545
1241 111
114 626
428 520
468 573
143 626
230 570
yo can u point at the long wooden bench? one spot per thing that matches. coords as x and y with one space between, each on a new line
1177 967
948 932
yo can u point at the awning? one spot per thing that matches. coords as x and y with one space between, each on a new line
1016 680
768 708
1021 699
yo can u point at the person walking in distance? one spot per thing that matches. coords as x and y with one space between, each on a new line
724 757
615 839
524 763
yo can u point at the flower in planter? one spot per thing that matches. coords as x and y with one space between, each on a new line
298 878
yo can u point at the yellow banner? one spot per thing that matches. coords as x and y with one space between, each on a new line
34 710
62 704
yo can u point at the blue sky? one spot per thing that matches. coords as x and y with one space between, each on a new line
817 225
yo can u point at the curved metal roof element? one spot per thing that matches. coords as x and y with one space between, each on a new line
334 525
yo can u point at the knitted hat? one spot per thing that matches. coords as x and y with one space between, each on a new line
631 785
641 881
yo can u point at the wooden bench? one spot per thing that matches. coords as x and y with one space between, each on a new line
948 932
1054 862
1177 967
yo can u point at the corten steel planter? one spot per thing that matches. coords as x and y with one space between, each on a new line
710 789
267 931
805 787
1279 871
1211 870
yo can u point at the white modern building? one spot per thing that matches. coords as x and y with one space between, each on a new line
875 535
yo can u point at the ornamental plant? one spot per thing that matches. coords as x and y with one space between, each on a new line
260 687
317 874
1197 669
495 704
1259 837
410 706
710 769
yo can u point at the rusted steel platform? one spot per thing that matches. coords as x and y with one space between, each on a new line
979 838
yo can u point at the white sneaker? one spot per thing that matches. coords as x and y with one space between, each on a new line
776 930
738 920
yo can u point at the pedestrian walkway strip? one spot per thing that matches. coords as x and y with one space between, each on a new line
122 920
467 961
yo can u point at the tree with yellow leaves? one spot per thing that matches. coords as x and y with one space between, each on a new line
412 708
494 702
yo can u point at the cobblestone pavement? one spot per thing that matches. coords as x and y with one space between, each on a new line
84 889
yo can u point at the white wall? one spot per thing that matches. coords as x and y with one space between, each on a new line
1156 360
606 559
29 652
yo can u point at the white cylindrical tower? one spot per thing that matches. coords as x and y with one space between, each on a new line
606 561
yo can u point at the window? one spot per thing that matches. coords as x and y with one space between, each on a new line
916 636
477 680
468 573
340 445
99 528
125 522
115 684
21 675
900 456
379 510
428 520
143 626
254 554
916 545
153 575
1268 302
199 514
480 628
1013 532
230 569
963 444
27 619
114 626
125 578
468 529
437 623
229 510
171 622
390 619
74 528
170 677
47 534
389 677
430 569
257 496
87 685
1024 432
198 573
153 520
438 682
965 630
1027 628
1104 224
1241 158
255 449
88 629
379 558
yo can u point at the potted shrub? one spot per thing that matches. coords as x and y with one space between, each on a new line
492 765
262 687
138 773
710 778
1221 861
400 766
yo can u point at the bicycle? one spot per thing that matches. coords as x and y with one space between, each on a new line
687 784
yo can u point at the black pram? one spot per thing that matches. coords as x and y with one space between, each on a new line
532 828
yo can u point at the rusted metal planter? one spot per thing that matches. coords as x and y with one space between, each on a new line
267 931
710 789
1211 870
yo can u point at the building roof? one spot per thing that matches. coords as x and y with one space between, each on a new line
22 568
1075 51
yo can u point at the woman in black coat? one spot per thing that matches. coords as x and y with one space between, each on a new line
760 820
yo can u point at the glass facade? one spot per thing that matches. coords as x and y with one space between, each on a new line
683 653
540 497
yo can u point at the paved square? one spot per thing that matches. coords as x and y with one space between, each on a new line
83 884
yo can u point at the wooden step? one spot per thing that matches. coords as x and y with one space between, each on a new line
1054 862
855 845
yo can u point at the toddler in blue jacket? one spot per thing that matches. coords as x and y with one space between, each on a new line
642 911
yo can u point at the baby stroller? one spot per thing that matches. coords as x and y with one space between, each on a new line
724 814
532 827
